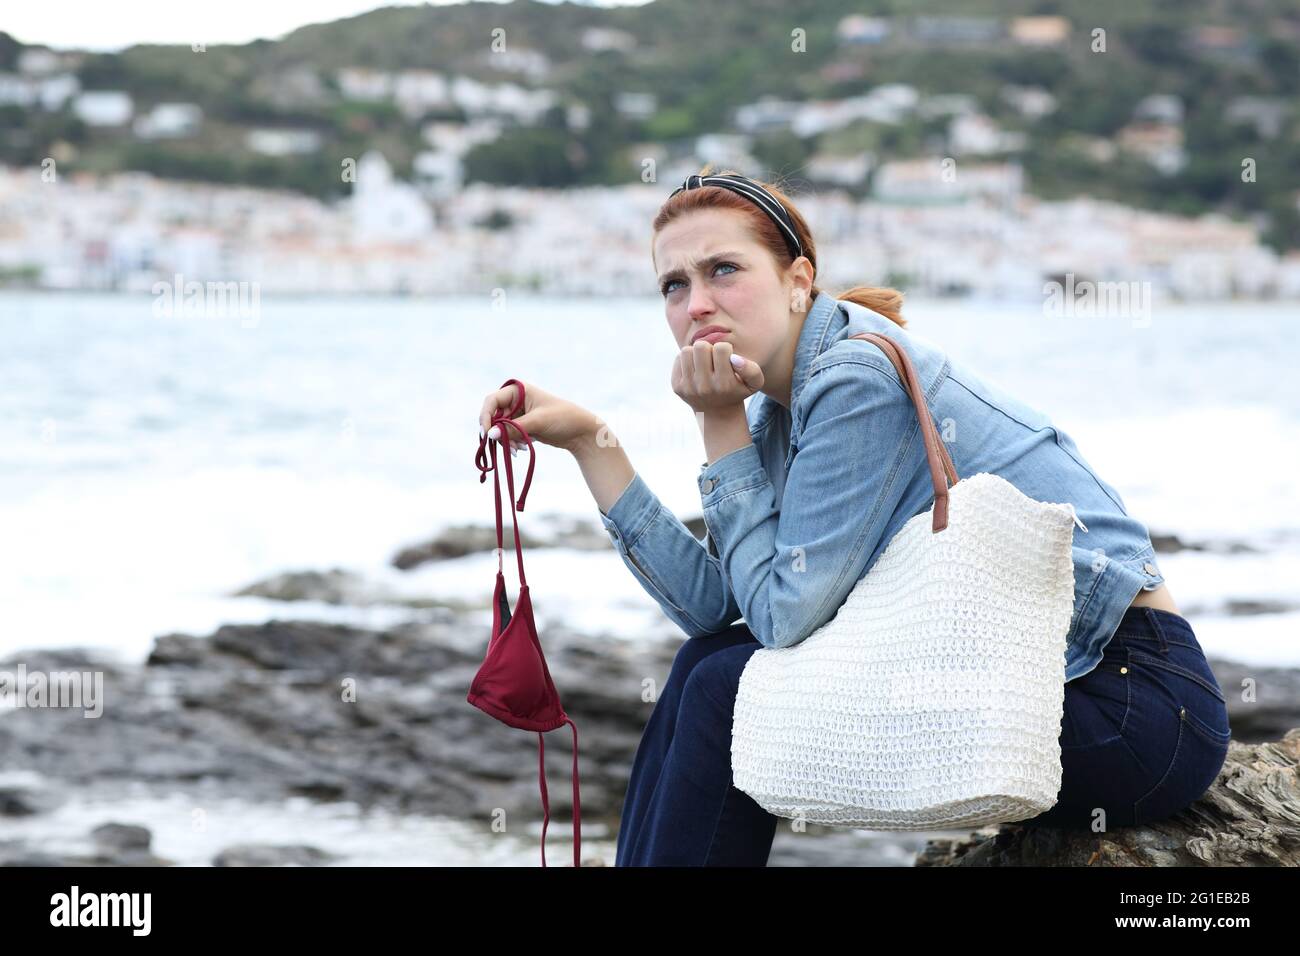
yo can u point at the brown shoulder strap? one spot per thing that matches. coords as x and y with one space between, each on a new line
936 452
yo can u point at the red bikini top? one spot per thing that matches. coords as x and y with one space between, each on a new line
513 683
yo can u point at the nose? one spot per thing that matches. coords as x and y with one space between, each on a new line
700 305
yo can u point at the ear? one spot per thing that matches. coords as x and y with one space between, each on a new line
800 286
800 275
805 269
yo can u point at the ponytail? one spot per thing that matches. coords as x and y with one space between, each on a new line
888 302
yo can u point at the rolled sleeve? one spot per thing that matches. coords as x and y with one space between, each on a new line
735 471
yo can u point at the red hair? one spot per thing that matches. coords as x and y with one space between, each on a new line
888 302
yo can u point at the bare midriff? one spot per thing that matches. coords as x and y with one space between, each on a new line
1160 599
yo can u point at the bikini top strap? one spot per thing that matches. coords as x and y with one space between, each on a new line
504 420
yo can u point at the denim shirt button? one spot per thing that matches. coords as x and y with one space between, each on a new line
707 485
1149 568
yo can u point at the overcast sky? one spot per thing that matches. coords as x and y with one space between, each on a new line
100 25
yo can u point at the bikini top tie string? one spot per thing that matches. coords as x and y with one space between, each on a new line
504 419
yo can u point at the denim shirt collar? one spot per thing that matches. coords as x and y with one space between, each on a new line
813 339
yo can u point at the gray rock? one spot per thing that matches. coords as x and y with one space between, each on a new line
111 844
1276 707
258 854
23 793
333 712
338 586
1245 607
121 839
1172 543
456 541
1250 816
17 853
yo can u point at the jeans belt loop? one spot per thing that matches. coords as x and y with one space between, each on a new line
1154 620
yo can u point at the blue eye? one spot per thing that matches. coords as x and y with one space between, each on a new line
668 286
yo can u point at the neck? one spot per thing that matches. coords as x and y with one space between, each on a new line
778 374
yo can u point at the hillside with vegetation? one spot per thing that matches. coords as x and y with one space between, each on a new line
1231 71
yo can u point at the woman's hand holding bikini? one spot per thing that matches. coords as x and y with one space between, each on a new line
554 421
546 418
710 377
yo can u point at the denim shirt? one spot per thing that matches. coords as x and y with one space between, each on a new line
795 519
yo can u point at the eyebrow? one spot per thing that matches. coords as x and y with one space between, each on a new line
703 263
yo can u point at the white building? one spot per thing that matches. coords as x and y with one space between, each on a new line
459 138
532 63
635 105
48 92
577 116
978 134
34 61
768 113
851 170
598 39
416 92
726 150
1159 108
385 209
927 181
1160 144
509 99
1032 102
438 174
103 107
887 103
1267 114
857 29
169 121
282 142
361 83
53 91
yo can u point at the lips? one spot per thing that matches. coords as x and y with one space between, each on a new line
706 330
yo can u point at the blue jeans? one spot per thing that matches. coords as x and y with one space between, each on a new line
1145 732
1143 735
682 808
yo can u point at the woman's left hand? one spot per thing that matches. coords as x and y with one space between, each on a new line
706 378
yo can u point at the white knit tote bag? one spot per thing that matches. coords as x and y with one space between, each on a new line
933 698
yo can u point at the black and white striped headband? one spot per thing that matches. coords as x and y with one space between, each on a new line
756 194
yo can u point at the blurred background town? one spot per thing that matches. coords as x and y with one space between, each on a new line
459 148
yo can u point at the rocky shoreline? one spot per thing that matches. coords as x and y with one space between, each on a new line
377 717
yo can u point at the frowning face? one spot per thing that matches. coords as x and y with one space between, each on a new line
719 283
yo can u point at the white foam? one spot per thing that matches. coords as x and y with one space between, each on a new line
191 830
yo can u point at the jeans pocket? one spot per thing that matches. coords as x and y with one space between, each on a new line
1192 769
1109 699
1184 699
1184 678
1185 660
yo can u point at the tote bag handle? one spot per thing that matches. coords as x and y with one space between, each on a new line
936 452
